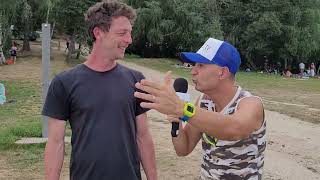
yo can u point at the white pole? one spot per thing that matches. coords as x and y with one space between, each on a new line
45 72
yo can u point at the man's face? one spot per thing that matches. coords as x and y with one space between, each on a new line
117 39
206 76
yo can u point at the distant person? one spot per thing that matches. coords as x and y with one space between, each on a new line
279 67
13 52
312 70
266 65
287 73
67 45
187 65
318 70
2 94
308 71
110 134
301 68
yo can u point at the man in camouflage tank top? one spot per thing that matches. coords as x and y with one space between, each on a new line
228 120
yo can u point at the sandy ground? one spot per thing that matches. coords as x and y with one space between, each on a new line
292 151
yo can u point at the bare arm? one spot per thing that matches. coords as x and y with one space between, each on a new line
187 138
54 152
247 118
146 147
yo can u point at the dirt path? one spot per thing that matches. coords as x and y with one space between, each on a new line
4 171
292 151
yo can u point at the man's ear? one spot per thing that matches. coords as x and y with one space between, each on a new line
97 32
225 73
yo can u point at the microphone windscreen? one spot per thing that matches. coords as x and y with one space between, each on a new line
180 85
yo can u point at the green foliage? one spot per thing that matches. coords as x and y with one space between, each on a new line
164 28
286 31
280 30
6 16
69 15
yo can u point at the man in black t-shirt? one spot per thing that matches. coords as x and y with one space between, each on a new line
110 135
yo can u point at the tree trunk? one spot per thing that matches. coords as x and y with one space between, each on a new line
253 66
52 29
250 63
71 47
2 58
27 14
79 51
26 42
285 63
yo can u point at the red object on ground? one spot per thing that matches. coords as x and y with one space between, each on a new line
10 61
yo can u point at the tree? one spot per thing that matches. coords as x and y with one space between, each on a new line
284 31
26 15
69 15
164 28
6 17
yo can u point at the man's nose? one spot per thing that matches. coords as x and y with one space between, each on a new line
194 70
128 38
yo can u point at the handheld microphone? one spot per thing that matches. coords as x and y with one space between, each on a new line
180 85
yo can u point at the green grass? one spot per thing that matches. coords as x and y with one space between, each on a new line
25 97
278 92
21 118
258 80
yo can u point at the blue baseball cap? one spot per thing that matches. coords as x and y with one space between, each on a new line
216 52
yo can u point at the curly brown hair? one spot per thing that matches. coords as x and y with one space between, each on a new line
101 15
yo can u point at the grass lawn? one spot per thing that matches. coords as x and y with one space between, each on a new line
21 118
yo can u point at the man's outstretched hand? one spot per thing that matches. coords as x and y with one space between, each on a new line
162 96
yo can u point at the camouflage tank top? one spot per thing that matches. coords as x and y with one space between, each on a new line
241 159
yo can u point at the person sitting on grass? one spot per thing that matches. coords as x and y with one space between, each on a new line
287 73
2 94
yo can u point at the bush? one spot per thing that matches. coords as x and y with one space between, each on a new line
33 35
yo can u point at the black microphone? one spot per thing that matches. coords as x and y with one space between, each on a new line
180 85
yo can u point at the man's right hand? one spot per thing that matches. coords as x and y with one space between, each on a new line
173 119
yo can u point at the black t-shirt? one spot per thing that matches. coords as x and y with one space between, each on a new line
102 110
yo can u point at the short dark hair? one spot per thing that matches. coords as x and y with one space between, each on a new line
101 15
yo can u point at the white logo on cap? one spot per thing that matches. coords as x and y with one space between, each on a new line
207 48
210 48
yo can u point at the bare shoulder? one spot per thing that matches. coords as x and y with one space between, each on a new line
251 102
251 109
